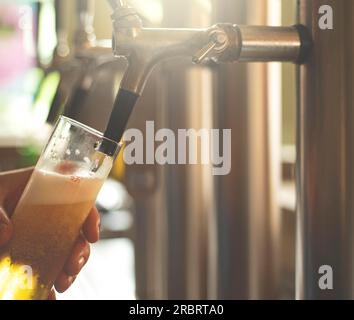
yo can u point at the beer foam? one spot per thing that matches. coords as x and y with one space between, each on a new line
47 187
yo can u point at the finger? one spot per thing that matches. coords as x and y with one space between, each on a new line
78 258
5 227
12 199
63 282
52 295
13 183
91 227
11 180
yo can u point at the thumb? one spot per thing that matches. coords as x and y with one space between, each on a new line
5 228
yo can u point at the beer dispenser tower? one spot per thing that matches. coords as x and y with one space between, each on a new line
325 148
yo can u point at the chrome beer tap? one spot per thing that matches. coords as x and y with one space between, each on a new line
144 48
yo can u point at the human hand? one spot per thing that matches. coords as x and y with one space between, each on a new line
12 185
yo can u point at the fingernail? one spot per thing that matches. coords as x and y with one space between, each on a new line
4 220
82 261
98 230
71 279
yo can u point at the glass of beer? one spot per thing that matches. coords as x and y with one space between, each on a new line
53 207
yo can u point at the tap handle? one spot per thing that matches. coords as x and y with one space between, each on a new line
204 52
218 42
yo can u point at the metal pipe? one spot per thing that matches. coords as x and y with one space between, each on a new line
84 36
269 44
325 151
117 3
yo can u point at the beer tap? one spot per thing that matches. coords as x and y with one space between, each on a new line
144 48
79 69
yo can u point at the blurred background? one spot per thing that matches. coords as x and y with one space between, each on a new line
168 232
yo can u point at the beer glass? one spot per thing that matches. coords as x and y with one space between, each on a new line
54 205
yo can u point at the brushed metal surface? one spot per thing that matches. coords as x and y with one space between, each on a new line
325 151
